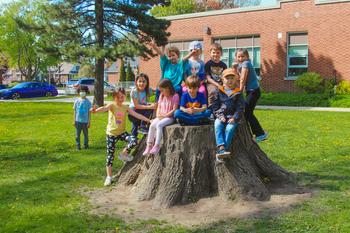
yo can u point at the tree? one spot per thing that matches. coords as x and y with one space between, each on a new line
23 49
86 71
122 74
102 29
3 66
176 7
130 76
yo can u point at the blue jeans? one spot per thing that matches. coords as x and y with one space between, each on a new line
81 127
224 133
195 119
178 90
136 123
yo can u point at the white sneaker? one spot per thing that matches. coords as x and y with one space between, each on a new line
129 158
122 157
108 181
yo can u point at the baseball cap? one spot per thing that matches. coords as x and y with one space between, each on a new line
195 45
228 71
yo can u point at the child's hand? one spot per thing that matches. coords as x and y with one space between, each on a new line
93 109
222 119
234 65
231 120
154 106
190 111
88 125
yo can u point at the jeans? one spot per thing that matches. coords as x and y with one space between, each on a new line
178 90
224 133
136 122
194 119
81 127
251 100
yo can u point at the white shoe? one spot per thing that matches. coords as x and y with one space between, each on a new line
122 157
129 158
108 181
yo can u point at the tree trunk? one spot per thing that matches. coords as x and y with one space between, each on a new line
185 169
98 91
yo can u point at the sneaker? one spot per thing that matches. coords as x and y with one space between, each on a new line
221 154
143 130
155 150
122 157
219 160
262 137
129 158
147 150
108 181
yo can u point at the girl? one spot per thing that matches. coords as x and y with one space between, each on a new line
139 103
167 104
116 129
249 82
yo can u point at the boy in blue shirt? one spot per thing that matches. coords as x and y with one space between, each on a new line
193 106
81 120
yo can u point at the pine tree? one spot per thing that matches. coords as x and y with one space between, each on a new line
130 76
122 75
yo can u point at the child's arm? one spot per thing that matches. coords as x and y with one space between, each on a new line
140 106
186 110
243 78
157 49
101 109
138 116
202 109
190 54
171 113
89 119
74 115
212 81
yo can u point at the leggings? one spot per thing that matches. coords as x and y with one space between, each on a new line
156 129
112 140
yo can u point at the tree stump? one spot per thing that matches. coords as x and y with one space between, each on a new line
185 169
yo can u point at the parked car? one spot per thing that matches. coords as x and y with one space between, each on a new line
2 86
28 90
71 82
89 82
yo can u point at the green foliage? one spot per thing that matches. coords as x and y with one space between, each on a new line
310 82
176 7
12 84
86 71
343 88
130 76
122 74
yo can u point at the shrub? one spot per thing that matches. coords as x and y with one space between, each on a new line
13 84
343 88
310 82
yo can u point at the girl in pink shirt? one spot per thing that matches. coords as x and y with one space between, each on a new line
167 104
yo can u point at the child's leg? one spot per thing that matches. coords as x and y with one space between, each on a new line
86 135
146 113
211 93
78 129
152 131
161 124
229 134
219 133
135 124
111 141
130 139
251 100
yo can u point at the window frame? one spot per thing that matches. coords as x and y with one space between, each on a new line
306 66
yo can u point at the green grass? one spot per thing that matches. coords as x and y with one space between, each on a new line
41 175
303 99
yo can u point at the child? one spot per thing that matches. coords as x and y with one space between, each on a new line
228 106
213 69
172 68
116 129
139 103
249 82
193 107
81 120
195 66
167 104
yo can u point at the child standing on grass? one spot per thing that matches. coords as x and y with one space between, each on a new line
116 130
228 106
139 103
213 69
167 104
249 83
81 120
193 107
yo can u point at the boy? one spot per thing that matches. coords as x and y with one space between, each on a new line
81 120
213 69
193 106
228 106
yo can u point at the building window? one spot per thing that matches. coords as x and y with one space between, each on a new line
230 45
183 47
297 59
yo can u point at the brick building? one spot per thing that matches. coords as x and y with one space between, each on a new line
284 40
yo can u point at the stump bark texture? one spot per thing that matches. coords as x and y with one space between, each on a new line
185 169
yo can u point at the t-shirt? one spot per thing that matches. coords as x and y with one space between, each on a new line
188 102
194 67
116 120
173 72
252 78
140 96
82 108
215 70
166 104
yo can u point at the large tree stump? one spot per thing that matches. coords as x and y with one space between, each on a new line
185 169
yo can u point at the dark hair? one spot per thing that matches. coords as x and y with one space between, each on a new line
192 81
145 76
215 46
118 90
166 83
174 50
83 88
244 51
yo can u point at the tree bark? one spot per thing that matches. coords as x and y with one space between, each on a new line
185 169
98 91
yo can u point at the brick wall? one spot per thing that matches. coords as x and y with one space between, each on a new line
327 26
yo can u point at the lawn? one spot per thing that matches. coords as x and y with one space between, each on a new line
42 175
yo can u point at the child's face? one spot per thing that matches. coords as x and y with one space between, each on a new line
215 55
173 57
192 91
119 98
230 81
241 57
141 83
164 91
197 54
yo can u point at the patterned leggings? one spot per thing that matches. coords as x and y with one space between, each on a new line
112 140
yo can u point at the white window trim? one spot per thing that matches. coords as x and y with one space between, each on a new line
321 2
287 62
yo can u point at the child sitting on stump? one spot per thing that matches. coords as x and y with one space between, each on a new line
193 106
228 106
